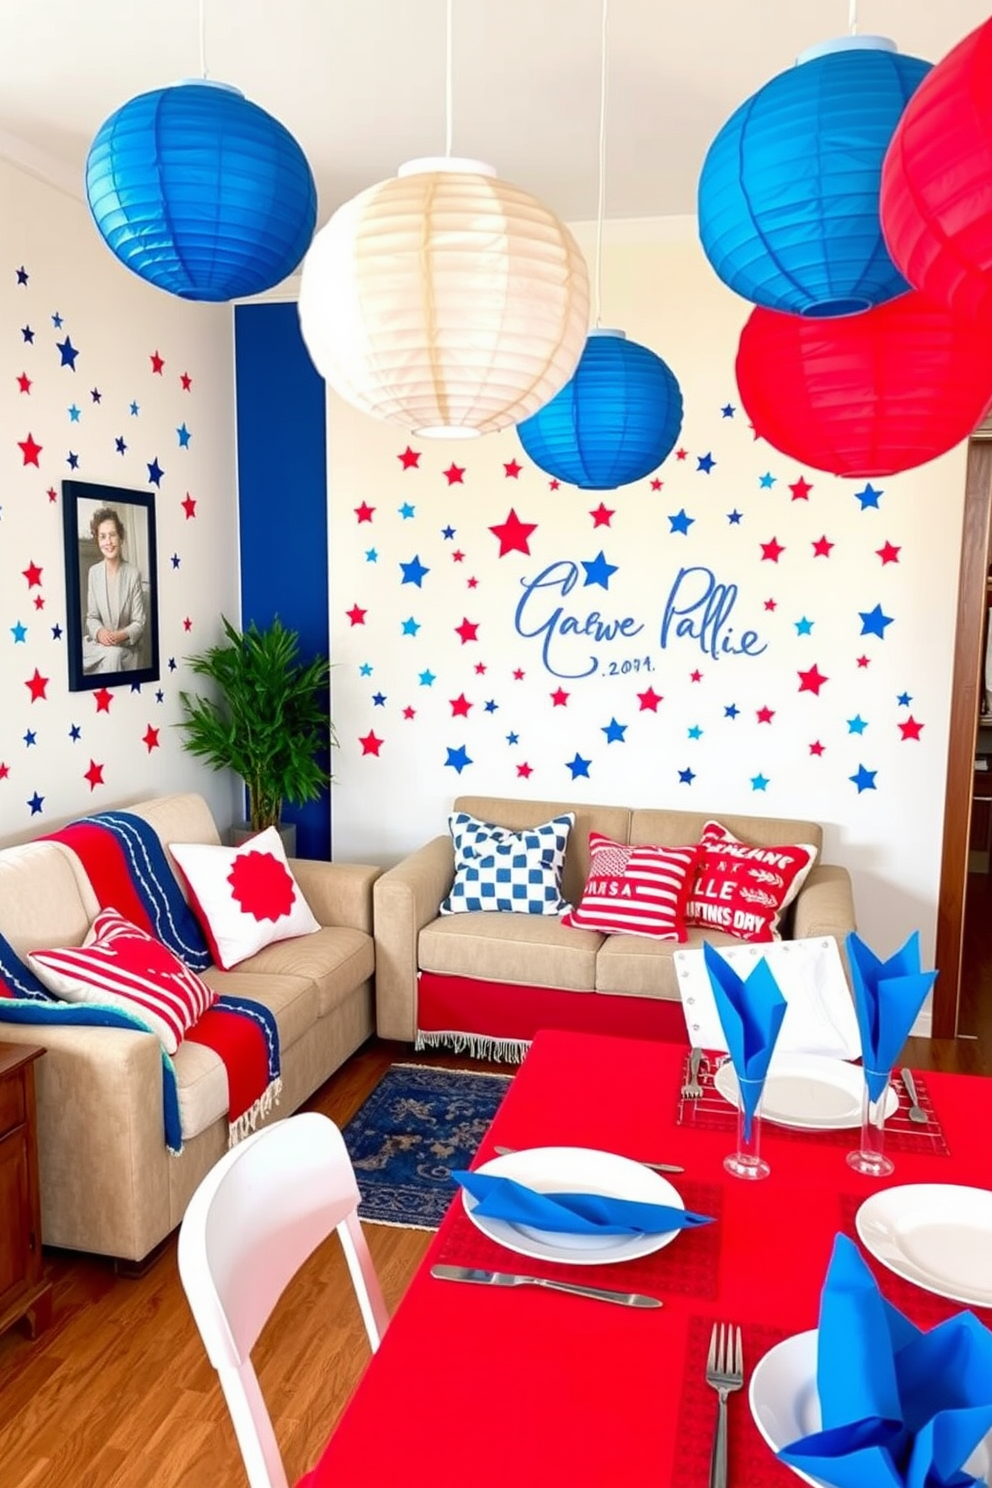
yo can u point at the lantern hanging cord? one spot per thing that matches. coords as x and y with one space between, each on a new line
601 199
448 89
852 17
203 39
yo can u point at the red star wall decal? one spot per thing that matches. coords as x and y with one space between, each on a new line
24 382
52 494
656 484
39 603
356 615
771 604
480 668
512 469
554 485
30 450
513 534
187 624
94 775
36 686
602 515
189 506
468 631
910 729
696 676
559 698
471 583
864 661
33 574
822 546
409 459
186 381
765 715
518 674
649 700
4 770
800 489
409 712
460 706
681 453
370 744
771 551
150 738
525 771
458 556
103 699
364 512
812 680
888 553
454 474
816 747
157 363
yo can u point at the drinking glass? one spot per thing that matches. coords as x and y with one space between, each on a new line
747 1161
870 1157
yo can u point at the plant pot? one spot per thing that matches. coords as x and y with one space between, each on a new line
242 832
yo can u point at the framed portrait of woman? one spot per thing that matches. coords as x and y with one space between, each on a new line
111 581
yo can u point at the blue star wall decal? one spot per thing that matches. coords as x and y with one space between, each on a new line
184 436
767 480
427 679
72 460
172 663
56 632
73 413
159 696
734 517
414 571
458 758
75 732
18 631
175 560
379 699
27 333
804 626
904 699
864 779
96 395
728 410
36 802
695 732
57 321
22 275
731 710
406 511
371 555
155 473
598 571
30 738
68 353
873 622
615 732
490 706
686 777
578 766
705 463
135 410
448 532
681 522
759 782
410 627
365 670
868 496
119 445
135 686
857 724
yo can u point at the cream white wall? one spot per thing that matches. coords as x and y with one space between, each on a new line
116 322
391 795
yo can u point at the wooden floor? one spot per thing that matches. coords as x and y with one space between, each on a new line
118 1392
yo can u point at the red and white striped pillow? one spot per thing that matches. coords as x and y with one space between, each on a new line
123 966
639 890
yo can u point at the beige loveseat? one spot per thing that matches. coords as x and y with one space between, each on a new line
108 1183
461 960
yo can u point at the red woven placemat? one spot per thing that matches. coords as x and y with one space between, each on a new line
923 1308
713 1113
751 1463
689 1265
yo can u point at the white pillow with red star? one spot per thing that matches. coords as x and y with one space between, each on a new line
244 897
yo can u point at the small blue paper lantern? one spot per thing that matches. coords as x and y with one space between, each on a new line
613 422
200 192
789 190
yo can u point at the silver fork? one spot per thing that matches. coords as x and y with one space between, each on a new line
692 1090
725 1372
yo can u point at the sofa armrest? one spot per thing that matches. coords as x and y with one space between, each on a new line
338 893
825 905
406 898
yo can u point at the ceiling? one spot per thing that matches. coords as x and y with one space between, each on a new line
361 85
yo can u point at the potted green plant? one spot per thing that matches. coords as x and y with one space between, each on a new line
269 720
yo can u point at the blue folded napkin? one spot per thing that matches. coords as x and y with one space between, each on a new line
572 1214
887 997
900 1408
751 1012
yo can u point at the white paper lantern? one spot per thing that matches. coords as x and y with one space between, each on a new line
445 300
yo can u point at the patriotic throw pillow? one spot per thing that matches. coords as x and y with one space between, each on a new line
123 966
744 890
635 890
244 897
495 868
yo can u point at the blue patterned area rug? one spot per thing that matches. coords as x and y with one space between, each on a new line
419 1123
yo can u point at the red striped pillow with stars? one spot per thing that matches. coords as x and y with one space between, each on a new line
124 967
635 890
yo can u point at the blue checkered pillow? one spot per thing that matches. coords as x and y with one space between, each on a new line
495 868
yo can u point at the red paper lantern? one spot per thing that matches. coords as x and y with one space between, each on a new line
869 394
936 194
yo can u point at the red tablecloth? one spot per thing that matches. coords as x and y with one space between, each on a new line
475 1387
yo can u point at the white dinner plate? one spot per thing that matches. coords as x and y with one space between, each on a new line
938 1235
785 1405
575 1170
808 1090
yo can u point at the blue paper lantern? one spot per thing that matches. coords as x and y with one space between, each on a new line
200 192
789 191
613 422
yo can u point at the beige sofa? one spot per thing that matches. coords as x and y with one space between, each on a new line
419 950
108 1183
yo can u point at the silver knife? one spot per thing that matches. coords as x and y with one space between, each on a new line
658 1167
509 1279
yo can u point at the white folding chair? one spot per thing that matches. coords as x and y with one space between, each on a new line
252 1222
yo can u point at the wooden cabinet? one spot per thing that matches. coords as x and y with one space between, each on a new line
24 1293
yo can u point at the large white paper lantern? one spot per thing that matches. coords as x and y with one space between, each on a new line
445 300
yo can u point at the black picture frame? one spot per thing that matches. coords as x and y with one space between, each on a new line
93 605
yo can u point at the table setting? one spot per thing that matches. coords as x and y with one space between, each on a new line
731 1275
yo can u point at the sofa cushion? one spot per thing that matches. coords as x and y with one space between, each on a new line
612 821
533 950
635 890
292 999
499 869
123 966
745 889
633 966
336 959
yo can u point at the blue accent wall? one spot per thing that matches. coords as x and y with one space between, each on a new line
282 500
